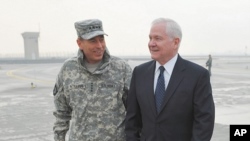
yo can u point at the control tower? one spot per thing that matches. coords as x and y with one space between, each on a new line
31 51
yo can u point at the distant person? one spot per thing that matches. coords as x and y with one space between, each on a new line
170 99
32 85
209 64
91 89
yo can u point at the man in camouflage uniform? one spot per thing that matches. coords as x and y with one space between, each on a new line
91 89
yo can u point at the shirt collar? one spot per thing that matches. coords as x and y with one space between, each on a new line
169 66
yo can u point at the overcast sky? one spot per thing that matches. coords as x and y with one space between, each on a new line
208 26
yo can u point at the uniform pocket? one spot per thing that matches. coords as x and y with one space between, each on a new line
76 95
109 94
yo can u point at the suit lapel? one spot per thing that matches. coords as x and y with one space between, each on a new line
149 86
175 80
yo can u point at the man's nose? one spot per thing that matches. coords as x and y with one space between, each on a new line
99 44
151 43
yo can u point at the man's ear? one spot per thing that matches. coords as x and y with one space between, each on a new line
176 43
79 42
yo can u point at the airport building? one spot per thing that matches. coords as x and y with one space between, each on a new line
31 50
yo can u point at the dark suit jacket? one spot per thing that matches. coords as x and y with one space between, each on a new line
187 111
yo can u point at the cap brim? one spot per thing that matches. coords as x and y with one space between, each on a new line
93 34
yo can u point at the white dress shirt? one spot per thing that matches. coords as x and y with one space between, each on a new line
169 66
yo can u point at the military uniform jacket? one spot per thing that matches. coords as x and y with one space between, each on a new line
91 105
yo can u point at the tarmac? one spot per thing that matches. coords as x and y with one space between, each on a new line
26 110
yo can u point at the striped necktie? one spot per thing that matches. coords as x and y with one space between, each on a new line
160 89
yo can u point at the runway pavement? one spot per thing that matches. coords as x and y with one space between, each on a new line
26 112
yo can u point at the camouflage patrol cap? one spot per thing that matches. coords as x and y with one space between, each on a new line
90 28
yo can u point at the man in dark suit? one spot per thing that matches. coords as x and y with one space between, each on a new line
170 99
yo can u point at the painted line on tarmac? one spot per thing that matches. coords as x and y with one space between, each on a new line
11 74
